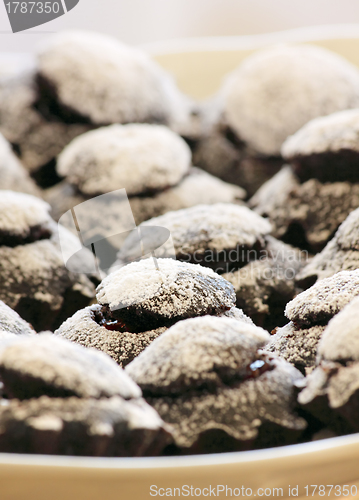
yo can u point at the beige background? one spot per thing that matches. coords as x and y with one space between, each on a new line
142 21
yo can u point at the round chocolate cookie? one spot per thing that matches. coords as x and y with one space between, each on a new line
340 254
318 304
309 313
95 78
35 282
326 148
85 427
141 158
331 391
12 323
206 377
13 175
276 91
47 365
141 297
210 235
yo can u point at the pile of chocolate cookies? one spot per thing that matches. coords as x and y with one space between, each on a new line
177 277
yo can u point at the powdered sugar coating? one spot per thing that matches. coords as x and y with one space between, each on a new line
197 352
175 289
104 80
276 91
50 365
325 134
340 339
19 212
123 347
11 322
322 301
137 157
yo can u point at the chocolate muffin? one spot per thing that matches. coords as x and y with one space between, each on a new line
331 391
271 95
206 377
309 200
35 282
156 299
65 399
309 313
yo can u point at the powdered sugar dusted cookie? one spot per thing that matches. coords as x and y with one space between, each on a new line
326 148
99 79
205 234
138 157
144 297
211 350
276 91
206 377
45 364
318 304
11 322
